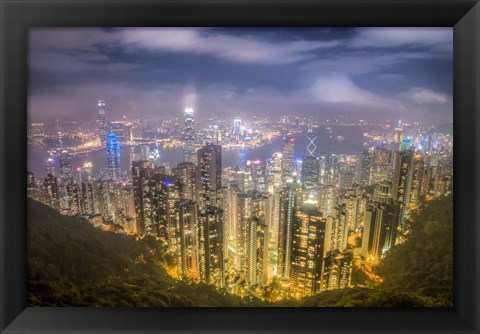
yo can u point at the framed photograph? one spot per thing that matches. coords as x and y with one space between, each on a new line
229 166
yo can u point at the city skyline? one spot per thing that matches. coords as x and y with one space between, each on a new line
269 206
155 72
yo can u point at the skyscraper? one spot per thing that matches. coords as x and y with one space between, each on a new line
366 166
51 166
257 252
211 246
210 174
381 165
103 127
337 270
287 209
288 156
32 189
66 169
402 182
189 136
307 249
186 172
311 144
113 156
379 234
51 191
310 170
187 235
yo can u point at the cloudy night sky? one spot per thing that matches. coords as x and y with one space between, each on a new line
372 73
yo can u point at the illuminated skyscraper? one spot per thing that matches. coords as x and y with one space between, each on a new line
186 172
103 126
210 177
51 191
417 178
32 189
257 252
310 170
327 199
211 246
288 156
113 156
307 249
381 165
366 166
258 174
66 169
287 209
336 233
51 166
311 143
187 238
337 270
144 198
189 136
402 182
237 128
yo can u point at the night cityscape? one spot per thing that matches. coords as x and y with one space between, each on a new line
272 196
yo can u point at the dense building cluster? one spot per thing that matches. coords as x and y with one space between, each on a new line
301 223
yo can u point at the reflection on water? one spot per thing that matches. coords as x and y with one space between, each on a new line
327 143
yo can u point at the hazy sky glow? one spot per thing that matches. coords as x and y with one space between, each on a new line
155 72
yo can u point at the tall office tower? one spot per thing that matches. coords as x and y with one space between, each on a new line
346 179
402 183
189 136
51 191
366 166
382 192
327 199
239 178
257 252
186 172
237 128
172 188
274 172
66 169
381 221
211 245
311 144
122 129
310 169
307 249
288 156
258 173
210 174
337 270
103 126
88 169
398 135
427 175
144 197
187 238
381 166
113 156
287 208
417 179
247 206
73 197
336 230
32 189
322 169
353 205
87 196
51 166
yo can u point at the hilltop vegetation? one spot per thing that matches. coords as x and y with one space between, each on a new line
71 263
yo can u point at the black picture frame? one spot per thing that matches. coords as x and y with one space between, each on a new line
18 16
